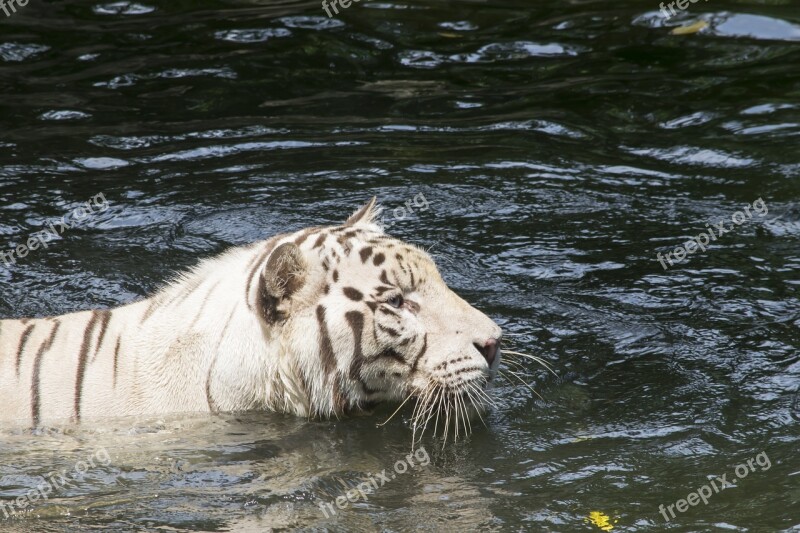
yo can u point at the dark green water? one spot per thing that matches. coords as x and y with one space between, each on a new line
560 145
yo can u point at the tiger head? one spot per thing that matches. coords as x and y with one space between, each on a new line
365 318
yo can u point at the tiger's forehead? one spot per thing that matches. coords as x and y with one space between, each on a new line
348 252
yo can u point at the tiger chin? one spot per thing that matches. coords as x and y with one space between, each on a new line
321 322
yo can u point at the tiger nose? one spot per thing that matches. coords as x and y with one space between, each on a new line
488 349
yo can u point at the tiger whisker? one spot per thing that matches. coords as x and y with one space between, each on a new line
517 367
419 408
466 414
445 259
527 385
450 415
428 250
456 414
517 364
423 416
527 355
446 423
462 408
436 407
485 396
516 352
477 411
450 404
427 410
524 383
410 395
539 360
414 418
477 386
438 411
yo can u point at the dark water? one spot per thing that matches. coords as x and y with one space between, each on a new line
560 146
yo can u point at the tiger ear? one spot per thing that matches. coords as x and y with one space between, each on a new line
366 215
283 276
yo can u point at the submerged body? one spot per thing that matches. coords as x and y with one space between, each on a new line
319 322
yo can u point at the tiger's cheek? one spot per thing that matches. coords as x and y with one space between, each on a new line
389 330
397 328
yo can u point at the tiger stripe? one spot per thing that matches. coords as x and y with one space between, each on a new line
392 354
338 397
325 348
22 342
80 374
390 331
105 317
151 308
299 372
421 353
386 311
116 360
184 293
201 309
320 240
255 266
212 406
305 234
356 321
339 400
37 366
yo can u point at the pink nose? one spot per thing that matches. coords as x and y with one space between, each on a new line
489 350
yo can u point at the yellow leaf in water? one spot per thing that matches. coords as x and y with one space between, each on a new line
691 28
451 35
601 520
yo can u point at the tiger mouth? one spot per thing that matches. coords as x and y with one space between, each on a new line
450 408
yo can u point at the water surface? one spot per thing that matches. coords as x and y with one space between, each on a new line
560 146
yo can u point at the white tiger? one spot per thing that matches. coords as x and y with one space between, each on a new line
318 323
